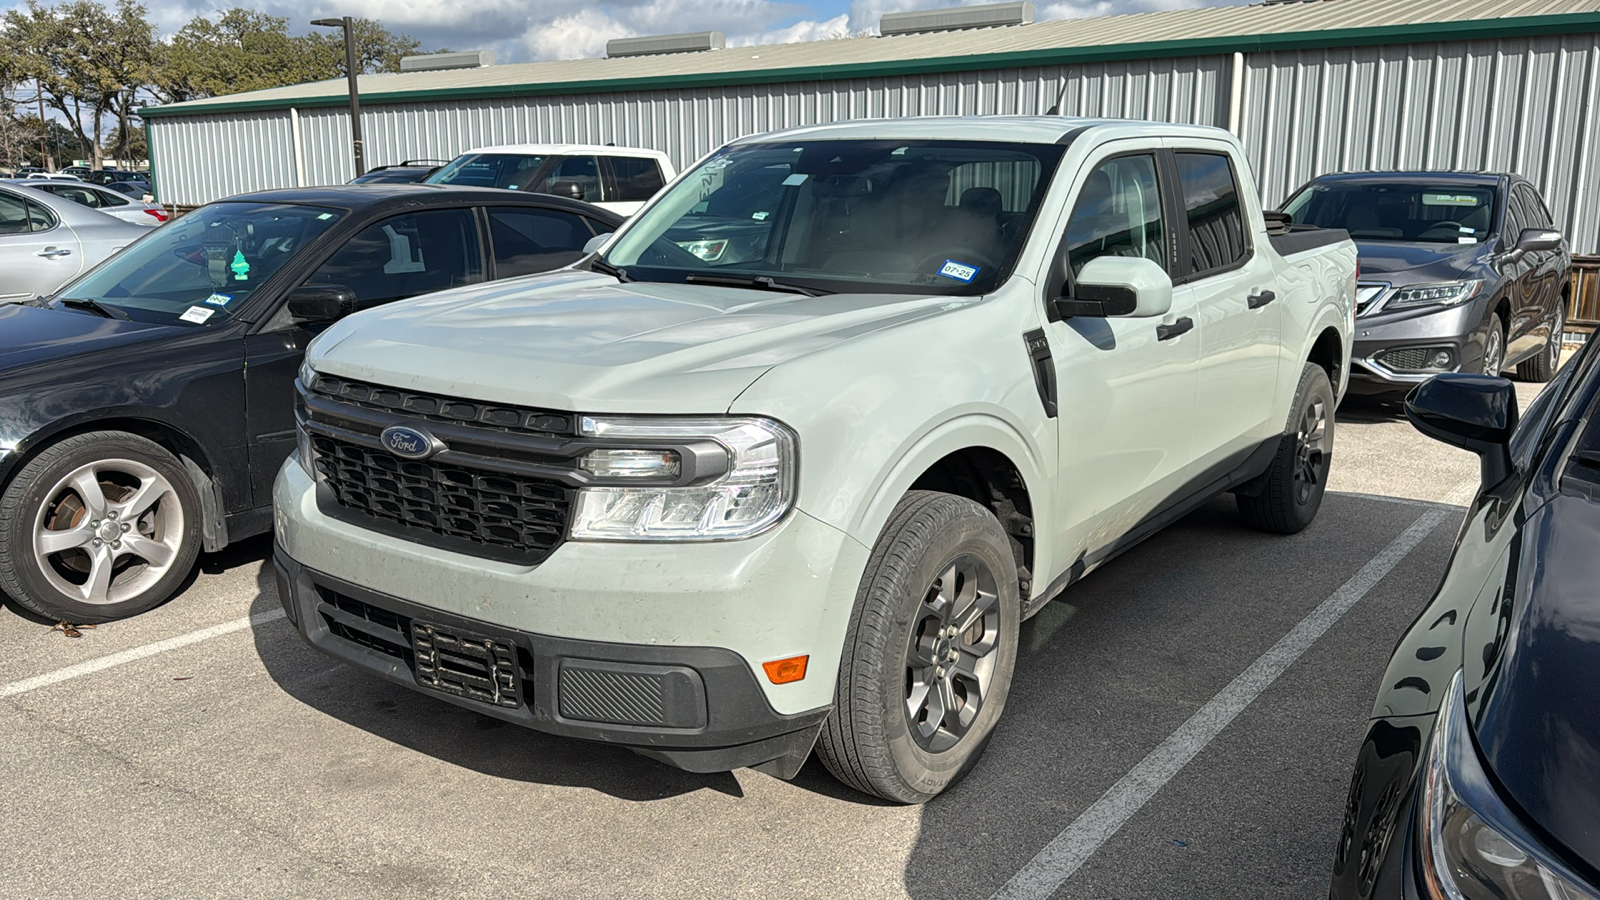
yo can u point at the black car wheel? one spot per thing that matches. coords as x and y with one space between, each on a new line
1288 496
1494 346
929 653
101 526
1543 367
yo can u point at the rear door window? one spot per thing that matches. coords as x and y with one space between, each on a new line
13 215
1215 217
407 255
635 178
526 241
584 171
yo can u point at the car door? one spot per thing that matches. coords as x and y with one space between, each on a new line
1521 276
1229 282
400 256
632 181
1542 277
1126 387
525 240
38 252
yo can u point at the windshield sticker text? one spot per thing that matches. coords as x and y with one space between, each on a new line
796 178
196 314
1450 200
219 299
959 271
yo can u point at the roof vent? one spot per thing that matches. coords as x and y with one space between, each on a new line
666 43
956 17
470 59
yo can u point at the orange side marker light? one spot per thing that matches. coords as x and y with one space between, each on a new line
783 671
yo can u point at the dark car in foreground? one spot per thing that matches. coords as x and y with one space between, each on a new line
1480 773
146 406
1459 273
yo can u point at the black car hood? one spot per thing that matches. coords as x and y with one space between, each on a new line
1421 263
1538 720
31 336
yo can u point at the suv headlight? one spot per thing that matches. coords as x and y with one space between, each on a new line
753 490
1448 294
1472 846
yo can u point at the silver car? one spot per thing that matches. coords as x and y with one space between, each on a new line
111 202
46 241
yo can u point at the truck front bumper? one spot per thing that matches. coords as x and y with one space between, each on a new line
657 647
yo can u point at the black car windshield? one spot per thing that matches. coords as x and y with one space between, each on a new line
921 216
1417 212
512 171
200 269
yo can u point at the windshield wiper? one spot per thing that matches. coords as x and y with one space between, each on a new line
600 265
94 306
759 282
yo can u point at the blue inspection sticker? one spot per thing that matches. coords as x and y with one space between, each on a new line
958 271
219 299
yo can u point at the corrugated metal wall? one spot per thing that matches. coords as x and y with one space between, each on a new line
1524 105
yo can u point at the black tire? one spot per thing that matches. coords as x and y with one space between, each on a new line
95 559
1292 488
1542 367
1494 347
870 741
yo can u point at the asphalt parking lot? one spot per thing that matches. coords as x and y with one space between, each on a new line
1183 725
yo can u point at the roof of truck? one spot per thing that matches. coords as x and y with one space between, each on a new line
1019 129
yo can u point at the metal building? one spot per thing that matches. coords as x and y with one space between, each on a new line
1311 87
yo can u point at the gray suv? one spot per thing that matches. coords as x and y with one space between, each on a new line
1459 272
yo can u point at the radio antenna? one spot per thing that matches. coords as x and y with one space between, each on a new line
1060 98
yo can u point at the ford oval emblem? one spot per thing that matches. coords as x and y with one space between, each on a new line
409 443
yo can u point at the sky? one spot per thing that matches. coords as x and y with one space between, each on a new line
530 30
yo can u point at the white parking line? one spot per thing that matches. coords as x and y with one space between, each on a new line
1062 857
146 651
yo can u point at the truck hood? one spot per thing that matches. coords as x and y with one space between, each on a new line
1403 264
580 341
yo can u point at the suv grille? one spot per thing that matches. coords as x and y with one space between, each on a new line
443 409
522 514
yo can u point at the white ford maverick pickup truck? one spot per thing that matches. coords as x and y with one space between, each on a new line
787 463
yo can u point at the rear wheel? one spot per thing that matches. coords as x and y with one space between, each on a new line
101 526
1542 368
929 654
1291 490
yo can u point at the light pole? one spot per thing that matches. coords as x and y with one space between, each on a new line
348 24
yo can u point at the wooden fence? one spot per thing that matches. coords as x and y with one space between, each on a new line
1584 314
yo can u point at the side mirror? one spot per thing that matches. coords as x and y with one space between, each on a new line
1473 412
569 189
1278 222
1534 240
321 302
1125 286
596 242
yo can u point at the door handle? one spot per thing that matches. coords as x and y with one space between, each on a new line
1166 332
1256 301
52 252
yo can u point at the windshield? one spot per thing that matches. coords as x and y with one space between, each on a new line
890 216
512 171
1398 211
201 268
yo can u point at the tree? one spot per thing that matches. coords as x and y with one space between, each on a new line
377 50
87 61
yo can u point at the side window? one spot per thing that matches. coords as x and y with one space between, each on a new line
110 198
1533 212
13 215
583 171
535 240
1217 236
637 179
1516 218
39 218
1118 213
407 255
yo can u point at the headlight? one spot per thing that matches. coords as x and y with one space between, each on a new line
1447 294
1473 847
710 251
754 489
307 374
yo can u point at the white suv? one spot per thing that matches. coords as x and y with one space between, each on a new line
787 466
620 179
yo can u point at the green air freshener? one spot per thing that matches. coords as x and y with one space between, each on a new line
241 268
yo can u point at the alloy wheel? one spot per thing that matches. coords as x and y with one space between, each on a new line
1494 350
1311 452
951 653
1557 332
108 531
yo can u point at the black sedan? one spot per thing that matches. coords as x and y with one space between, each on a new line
1480 773
146 406
1460 272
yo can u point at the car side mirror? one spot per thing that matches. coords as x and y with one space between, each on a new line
310 303
1534 240
1278 221
1119 286
569 189
596 242
1473 412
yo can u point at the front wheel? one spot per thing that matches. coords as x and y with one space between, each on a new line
1542 367
1290 493
929 653
101 526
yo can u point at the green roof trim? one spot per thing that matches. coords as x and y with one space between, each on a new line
1419 33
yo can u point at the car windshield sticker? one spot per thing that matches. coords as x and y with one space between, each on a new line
324 216
958 271
796 178
219 299
1451 200
196 314
241 268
